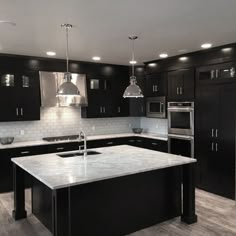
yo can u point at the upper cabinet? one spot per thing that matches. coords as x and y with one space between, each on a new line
19 95
105 96
156 84
219 73
181 85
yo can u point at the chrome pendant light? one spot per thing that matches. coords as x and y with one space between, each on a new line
67 88
133 90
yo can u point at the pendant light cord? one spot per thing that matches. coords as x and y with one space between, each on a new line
67 51
132 57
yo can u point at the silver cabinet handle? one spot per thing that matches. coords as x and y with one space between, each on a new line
118 109
109 143
154 144
104 109
17 112
153 88
21 111
212 147
212 133
217 72
100 109
216 147
60 148
212 74
139 141
177 91
105 85
216 133
25 152
181 90
131 141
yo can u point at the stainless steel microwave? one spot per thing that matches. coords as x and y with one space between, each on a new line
156 107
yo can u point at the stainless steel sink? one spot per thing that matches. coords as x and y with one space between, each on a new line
74 154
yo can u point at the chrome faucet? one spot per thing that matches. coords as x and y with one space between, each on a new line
82 137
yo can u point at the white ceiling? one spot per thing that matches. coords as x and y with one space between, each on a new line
102 27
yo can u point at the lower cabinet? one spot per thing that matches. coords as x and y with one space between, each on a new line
6 173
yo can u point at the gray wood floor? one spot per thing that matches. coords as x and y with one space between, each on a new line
216 216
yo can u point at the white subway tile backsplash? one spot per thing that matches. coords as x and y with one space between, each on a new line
65 121
154 125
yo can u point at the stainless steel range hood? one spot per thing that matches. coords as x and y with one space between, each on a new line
49 84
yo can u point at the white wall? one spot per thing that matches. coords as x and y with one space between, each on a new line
65 121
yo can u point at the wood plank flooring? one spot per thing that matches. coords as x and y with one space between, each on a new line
216 217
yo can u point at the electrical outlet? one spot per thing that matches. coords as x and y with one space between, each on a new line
22 132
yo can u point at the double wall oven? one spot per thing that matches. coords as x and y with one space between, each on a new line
181 128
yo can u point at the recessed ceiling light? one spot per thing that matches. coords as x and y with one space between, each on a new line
206 45
183 58
163 55
96 58
50 53
133 62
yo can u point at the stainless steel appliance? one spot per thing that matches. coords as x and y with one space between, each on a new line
181 145
156 107
49 84
181 128
181 118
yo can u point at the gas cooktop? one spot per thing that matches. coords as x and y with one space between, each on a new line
61 138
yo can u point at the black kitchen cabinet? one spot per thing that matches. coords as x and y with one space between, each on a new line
19 95
181 85
105 97
219 73
156 85
215 139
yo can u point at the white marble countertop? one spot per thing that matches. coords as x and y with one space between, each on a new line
57 172
92 137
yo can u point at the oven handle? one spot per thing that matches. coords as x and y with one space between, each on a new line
180 109
183 137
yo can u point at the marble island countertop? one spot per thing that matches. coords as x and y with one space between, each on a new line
116 161
90 137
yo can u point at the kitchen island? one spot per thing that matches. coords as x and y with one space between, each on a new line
119 191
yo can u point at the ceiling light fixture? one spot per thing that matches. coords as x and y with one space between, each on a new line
227 49
67 88
163 55
133 62
206 45
96 58
133 90
50 53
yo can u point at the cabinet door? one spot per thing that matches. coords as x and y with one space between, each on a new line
206 116
137 107
8 100
226 140
187 87
156 85
174 84
181 85
29 96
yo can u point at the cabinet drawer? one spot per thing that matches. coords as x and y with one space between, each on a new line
28 151
62 147
156 145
